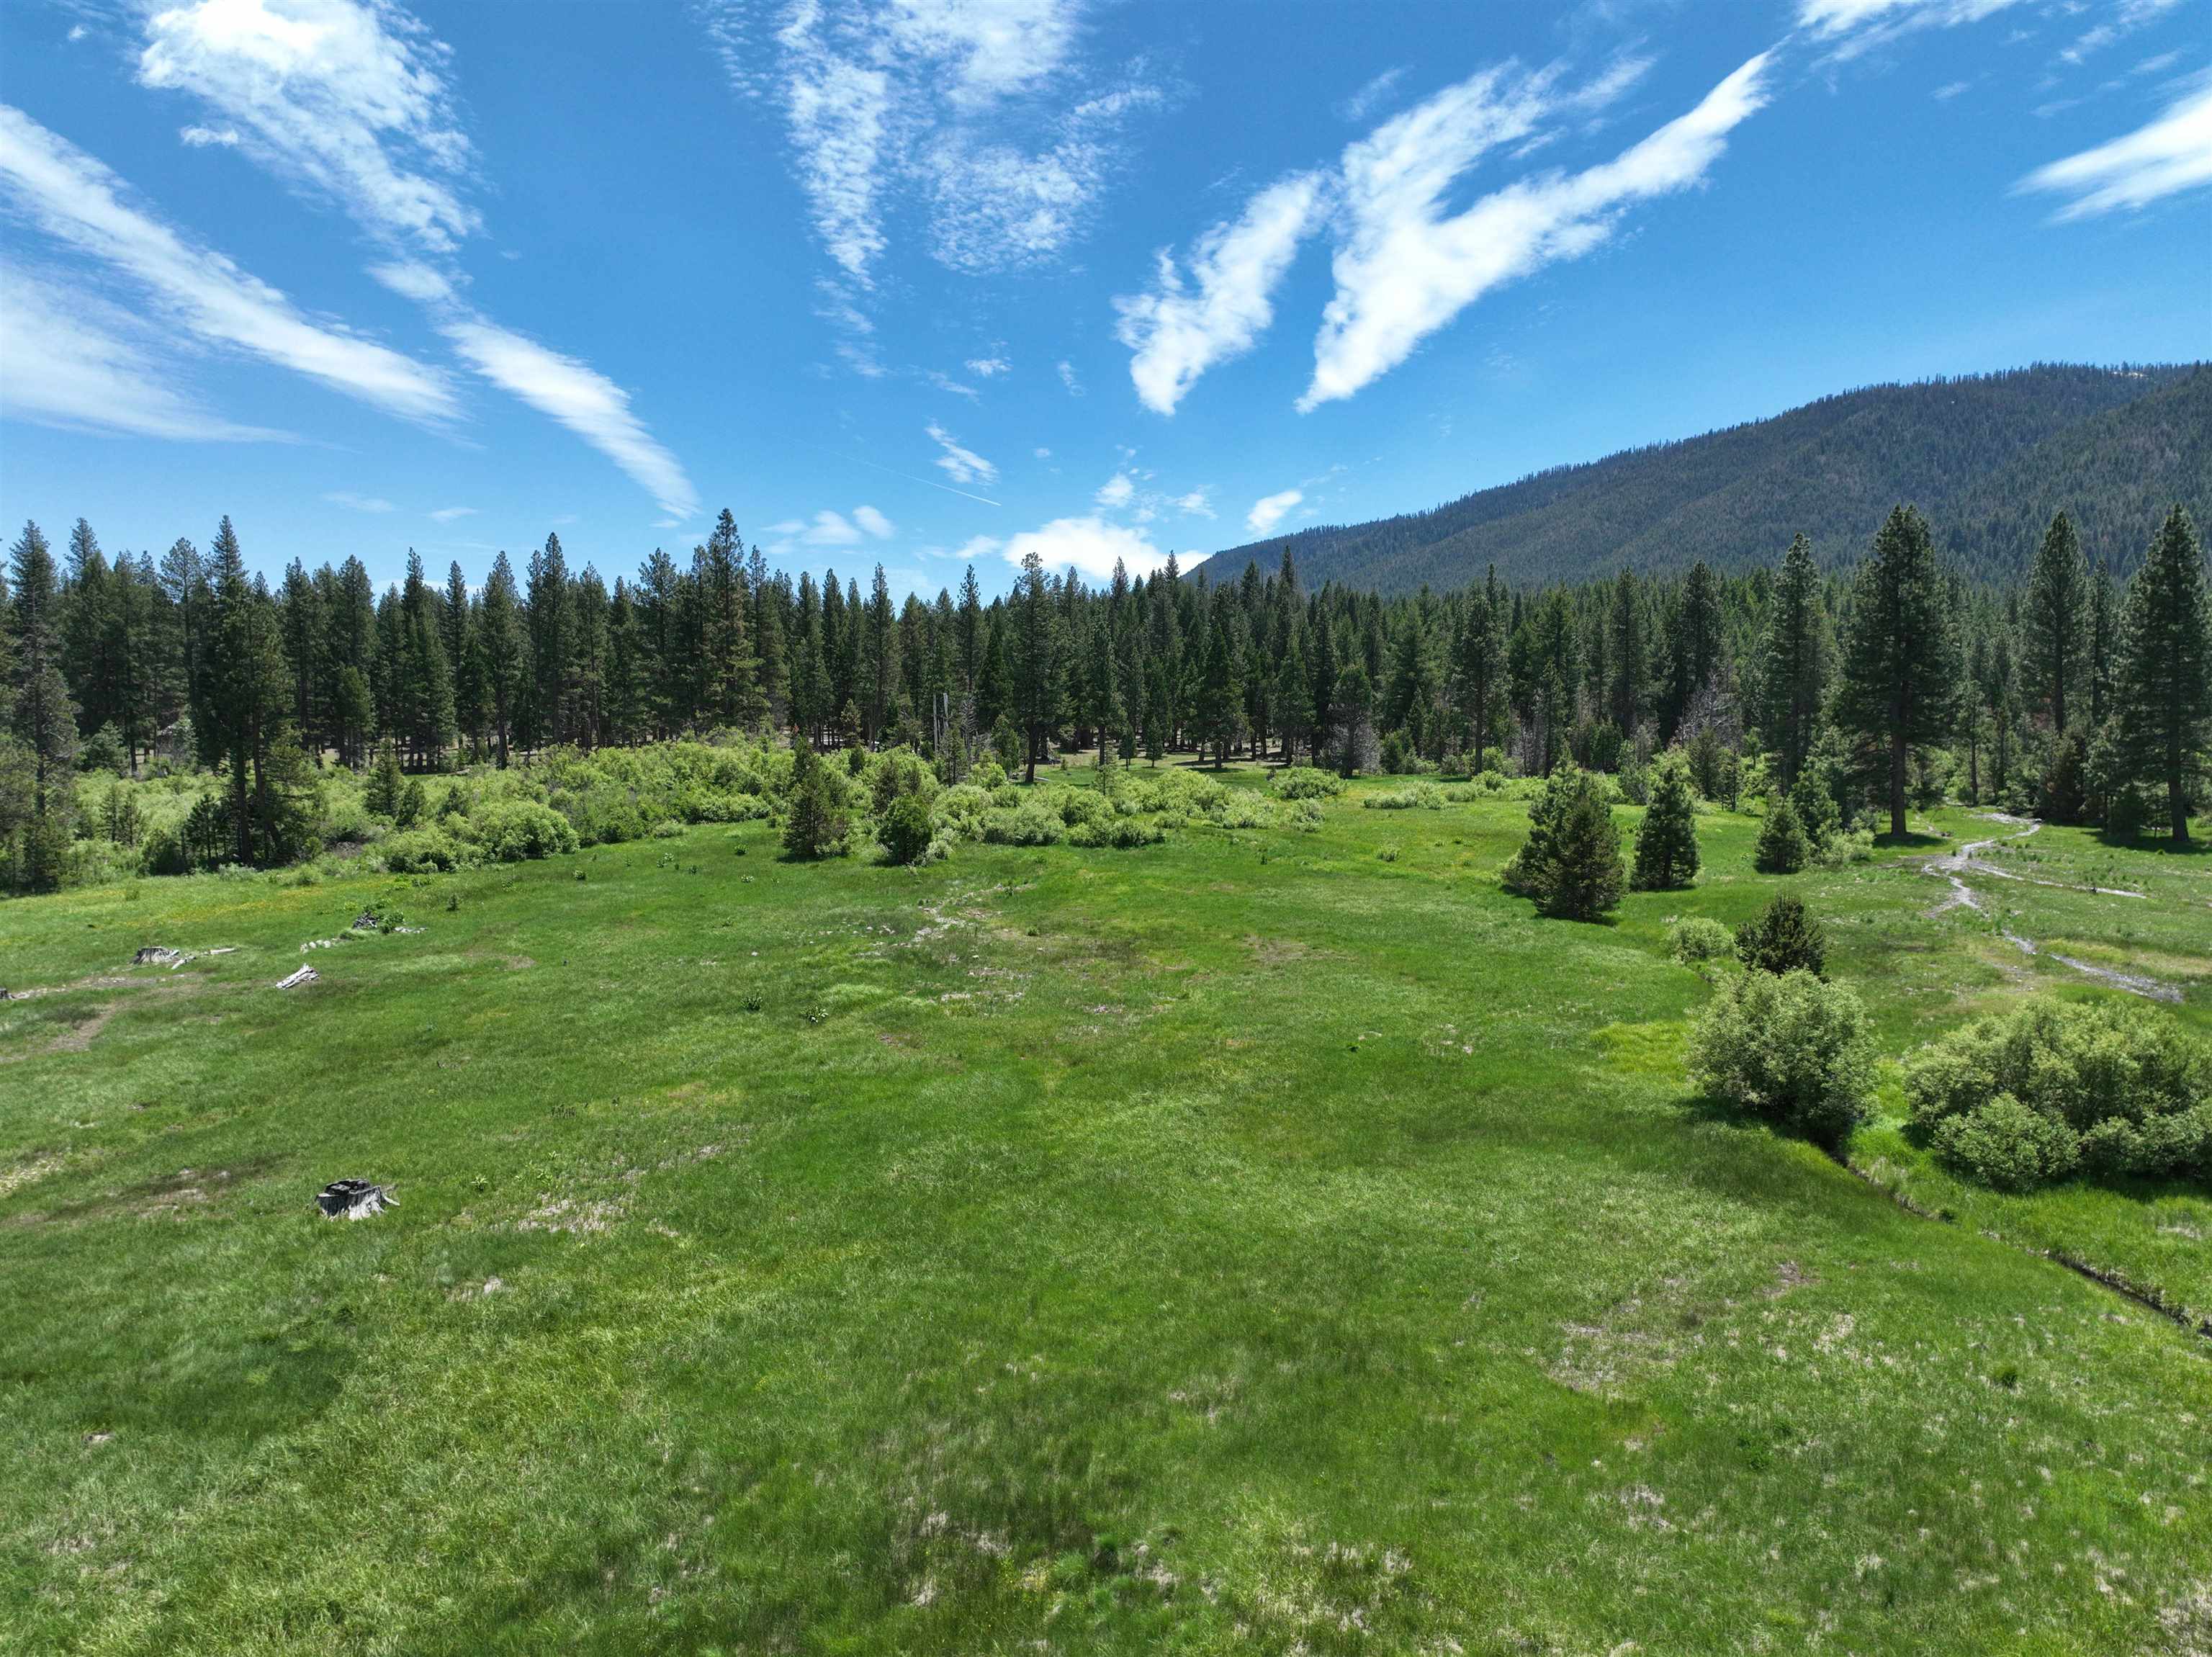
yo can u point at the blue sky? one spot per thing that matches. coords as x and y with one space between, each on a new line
941 280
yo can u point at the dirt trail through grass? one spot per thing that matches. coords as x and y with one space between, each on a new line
1955 867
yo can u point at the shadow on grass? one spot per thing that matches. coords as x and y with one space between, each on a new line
1909 842
2161 845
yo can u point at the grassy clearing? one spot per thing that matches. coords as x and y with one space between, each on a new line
1265 1241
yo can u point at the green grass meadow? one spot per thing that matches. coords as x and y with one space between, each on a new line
1264 1242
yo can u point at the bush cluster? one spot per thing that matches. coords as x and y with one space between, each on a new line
1790 1048
1699 940
1417 797
1305 783
2023 1098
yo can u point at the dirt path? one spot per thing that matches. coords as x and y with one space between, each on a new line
1969 859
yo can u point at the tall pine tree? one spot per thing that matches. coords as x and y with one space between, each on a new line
2163 701
1901 671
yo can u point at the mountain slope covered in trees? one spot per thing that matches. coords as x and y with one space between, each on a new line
1991 458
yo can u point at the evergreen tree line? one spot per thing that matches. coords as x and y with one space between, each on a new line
1894 683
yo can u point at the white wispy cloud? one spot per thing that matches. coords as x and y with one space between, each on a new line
1403 270
1198 503
830 529
78 202
346 98
2163 158
1269 510
1116 491
445 514
1832 19
837 111
999 205
2129 16
584 400
70 359
1853 27
203 138
1372 96
1178 332
348 101
946 382
985 368
963 466
354 502
1090 544
1069 378
977 117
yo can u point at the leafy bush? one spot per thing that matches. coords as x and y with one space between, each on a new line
1032 823
1571 862
1304 783
1699 939
667 829
2114 1090
424 851
1077 806
1418 797
2007 1146
1786 938
959 810
165 854
511 830
1119 833
905 830
1782 847
1792 1049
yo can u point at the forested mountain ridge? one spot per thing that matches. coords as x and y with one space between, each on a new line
1989 458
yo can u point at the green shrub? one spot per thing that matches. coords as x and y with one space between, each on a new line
423 851
1786 938
1077 806
1791 1049
165 854
1418 796
1782 847
512 830
1304 783
905 830
667 829
1032 823
1571 862
1699 939
2007 1146
2115 1090
1119 833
